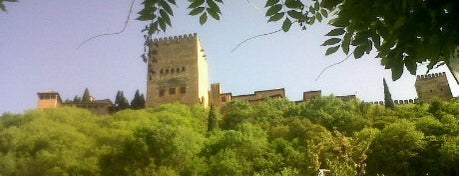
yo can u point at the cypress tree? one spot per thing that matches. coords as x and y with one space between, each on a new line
138 102
121 102
388 102
86 96
76 99
212 122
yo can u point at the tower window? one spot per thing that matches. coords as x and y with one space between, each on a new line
183 69
162 71
172 70
161 92
172 90
182 90
177 70
167 70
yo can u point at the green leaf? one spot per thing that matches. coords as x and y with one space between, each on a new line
197 11
203 18
273 10
212 5
270 3
172 2
331 41
358 52
397 72
312 10
166 7
196 3
410 65
336 32
286 25
276 17
340 22
324 13
294 4
346 42
165 16
332 50
319 17
376 40
297 15
213 14
162 24
2 7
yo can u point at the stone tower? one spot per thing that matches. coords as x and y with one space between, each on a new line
177 72
48 99
433 85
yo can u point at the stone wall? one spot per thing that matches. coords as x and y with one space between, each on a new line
433 86
177 72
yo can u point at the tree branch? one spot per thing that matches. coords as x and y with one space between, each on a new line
114 33
323 70
238 45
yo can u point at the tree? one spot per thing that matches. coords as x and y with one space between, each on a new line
388 102
403 33
120 102
76 99
138 102
212 122
86 96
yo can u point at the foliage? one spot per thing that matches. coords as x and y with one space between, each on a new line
2 6
120 102
86 96
275 137
388 102
138 102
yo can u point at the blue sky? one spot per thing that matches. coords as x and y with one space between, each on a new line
39 40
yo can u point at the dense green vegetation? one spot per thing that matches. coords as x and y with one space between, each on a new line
277 137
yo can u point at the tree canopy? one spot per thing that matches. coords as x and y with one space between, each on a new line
275 137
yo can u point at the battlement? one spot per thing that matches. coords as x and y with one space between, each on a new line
176 38
398 102
433 75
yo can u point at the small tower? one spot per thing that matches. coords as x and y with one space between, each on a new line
48 99
177 72
433 86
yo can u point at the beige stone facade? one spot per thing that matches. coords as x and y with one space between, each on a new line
433 86
48 99
52 99
177 72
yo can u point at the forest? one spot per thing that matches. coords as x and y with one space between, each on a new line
275 137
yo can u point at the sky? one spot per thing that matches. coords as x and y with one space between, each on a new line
39 52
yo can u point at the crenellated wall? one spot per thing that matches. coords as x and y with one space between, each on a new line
177 71
432 86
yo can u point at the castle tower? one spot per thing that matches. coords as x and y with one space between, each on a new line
453 64
177 72
49 99
433 85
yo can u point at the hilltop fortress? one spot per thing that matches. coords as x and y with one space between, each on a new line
177 71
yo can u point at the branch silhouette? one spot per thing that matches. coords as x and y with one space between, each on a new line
238 45
114 33
332 65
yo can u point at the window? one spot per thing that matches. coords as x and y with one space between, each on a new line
172 70
161 92
223 99
167 70
172 91
183 69
162 71
177 70
182 90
